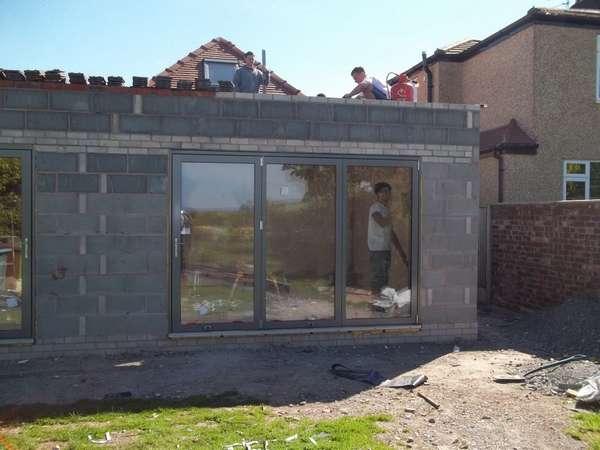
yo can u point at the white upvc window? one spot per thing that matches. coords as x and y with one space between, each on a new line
581 180
219 70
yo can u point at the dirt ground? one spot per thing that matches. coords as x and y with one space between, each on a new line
475 412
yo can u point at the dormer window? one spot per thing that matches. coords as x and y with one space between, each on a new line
218 70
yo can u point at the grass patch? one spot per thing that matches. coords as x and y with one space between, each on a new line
587 429
187 426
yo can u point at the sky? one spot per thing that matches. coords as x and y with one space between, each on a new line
313 44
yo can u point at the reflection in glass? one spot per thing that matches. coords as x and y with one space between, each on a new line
300 236
378 242
217 243
575 190
11 257
594 180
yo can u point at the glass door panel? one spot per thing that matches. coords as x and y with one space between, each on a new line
378 242
216 243
300 235
14 304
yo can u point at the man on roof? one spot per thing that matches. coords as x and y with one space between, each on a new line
248 78
369 87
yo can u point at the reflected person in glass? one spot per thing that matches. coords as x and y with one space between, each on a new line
381 237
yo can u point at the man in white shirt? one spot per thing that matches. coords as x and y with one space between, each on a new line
369 87
380 238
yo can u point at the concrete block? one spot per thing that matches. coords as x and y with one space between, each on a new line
297 129
466 136
203 106
314 111
78 305
56 162
349 113
278 110
78 183
125 304
26 99
107 325
177 125
112 103
38 120
126 244
57 203
433 279
148 324
70 101
157 261
461 277
127 204
56 327
106 284
126 183
140 124
76 224
261 128
147 164
329 131
450 118
394 133
12 119
127 262
46 182
434 170
156 224
47 285
418 116
156 304
240 108
89 122
461 206
45 305
150 284
157 184
364 133
447 261
57 245
382 114
103 162
70 265
158 104
436 136
126 224
214 127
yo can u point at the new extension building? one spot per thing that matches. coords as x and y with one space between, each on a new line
144 218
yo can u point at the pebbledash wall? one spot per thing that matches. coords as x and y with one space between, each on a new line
545 253
102 197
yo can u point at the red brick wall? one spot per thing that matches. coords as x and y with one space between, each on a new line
545 253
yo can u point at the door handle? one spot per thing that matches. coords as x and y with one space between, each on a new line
26 248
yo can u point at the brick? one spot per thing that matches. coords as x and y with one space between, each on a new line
57 245
102 162
78 183
56 162
46 182
347 113
76 305
314 111
157 184
147 164
277 110
38 120
70 101
383 114
126 183
12 119
57 203
26 99
127 262
243 109
127 204
89 122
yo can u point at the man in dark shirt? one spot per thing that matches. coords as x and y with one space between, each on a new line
248 78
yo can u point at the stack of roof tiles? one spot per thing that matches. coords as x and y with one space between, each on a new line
56 75
77 78
34 75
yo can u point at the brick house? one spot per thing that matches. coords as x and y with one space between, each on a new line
540 80
216 61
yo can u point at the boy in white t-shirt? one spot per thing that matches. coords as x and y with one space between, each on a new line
369 87
380 238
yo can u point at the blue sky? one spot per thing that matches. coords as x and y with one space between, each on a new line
311 43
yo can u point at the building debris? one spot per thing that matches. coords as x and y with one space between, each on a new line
106 439
428 400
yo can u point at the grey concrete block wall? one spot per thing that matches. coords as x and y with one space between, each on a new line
102 182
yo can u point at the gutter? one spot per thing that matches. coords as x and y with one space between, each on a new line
429 74
498 154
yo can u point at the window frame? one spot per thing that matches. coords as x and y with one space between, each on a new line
26 232
206 68
585 177
598 68
261 161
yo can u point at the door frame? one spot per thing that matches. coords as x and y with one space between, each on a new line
260 161
26 232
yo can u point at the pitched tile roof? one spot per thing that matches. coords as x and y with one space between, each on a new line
219 48
459 47
510 138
